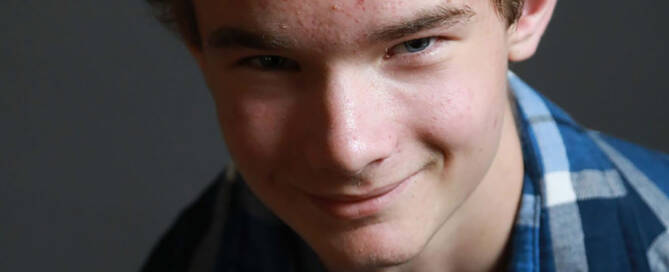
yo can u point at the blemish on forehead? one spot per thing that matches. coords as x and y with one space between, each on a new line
361 5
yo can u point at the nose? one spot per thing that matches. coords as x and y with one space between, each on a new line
356 128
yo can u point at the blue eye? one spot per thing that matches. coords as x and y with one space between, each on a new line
412 46
417 45
269 62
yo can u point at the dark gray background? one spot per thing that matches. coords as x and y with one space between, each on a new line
108 130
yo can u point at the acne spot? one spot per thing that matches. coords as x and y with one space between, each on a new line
334 7
361 4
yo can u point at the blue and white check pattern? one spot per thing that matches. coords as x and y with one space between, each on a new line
585 206
590 203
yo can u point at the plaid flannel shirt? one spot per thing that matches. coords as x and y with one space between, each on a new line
590 202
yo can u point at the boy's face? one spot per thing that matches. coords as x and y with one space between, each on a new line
362 124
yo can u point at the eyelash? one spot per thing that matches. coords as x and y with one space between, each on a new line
291 65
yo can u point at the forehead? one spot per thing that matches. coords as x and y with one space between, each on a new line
323 21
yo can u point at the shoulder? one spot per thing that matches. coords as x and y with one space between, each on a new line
603 200
226 227
176 248
644 211
636 162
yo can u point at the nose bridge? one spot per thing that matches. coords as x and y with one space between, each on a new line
352 135
343 102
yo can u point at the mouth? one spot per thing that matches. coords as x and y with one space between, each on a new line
351 207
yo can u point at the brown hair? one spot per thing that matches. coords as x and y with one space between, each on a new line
179 16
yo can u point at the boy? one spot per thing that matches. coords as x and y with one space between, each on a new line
375 135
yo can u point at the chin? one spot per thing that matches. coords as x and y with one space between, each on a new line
371 248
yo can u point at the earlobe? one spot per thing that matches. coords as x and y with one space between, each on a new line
525 34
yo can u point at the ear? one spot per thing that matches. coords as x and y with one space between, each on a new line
525 34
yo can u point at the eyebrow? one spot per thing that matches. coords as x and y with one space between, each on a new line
226 37
441 16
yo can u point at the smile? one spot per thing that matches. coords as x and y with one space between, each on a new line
359 206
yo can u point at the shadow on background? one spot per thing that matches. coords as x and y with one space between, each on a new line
108 130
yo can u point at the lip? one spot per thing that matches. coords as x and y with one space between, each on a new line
359 206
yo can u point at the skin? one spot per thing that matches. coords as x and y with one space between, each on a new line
345 114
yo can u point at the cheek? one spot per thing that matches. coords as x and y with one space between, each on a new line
467 104
253 130
462 116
